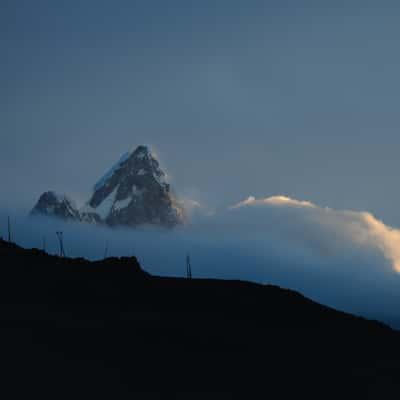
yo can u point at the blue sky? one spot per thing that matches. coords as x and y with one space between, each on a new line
238 98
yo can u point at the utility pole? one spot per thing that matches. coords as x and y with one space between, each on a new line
44 243
9 229
188 268
60 239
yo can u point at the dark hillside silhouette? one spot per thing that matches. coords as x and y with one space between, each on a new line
71 328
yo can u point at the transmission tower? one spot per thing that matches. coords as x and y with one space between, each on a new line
60 239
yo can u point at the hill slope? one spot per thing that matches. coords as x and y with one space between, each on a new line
74 328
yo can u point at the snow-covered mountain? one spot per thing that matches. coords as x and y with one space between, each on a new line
56 205
133 192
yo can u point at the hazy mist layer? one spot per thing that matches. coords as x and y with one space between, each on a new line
345 259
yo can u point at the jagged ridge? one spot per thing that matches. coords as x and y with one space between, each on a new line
133 192
53 204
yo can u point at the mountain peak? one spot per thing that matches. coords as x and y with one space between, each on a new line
53 204
135 192
144 154
142 150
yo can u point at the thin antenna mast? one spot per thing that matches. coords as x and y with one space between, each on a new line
188 267
106 251
9 229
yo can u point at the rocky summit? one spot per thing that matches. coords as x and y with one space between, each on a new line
134 192
56 205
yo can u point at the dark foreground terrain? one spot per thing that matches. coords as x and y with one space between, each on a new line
74 329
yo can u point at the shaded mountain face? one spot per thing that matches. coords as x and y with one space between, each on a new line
133 192
52 204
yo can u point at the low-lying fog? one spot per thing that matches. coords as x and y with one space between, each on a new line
346 259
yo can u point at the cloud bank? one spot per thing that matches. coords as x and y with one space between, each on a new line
346 259
361 228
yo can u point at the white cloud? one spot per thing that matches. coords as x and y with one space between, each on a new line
195 208
359 228
274 200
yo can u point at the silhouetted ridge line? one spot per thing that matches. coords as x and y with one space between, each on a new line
108 329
